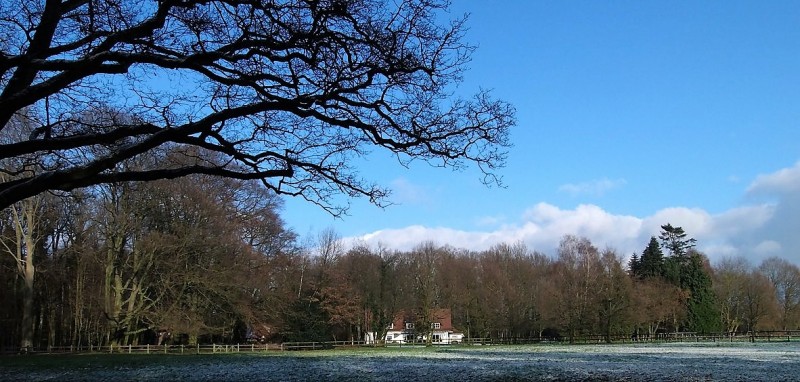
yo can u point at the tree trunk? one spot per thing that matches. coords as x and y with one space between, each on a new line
26 330
26 221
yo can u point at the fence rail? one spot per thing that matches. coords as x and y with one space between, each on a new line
764 336
153 349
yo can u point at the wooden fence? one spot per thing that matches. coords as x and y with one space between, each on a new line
763 336
156 349
680 337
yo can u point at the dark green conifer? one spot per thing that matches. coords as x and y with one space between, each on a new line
702 313
687 269
634 266
652 261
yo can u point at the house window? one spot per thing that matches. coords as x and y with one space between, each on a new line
389 337
437 338
409 325
391 326
436 325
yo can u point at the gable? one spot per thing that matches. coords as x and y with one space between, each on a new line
441 316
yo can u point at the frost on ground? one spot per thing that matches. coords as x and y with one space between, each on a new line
663 362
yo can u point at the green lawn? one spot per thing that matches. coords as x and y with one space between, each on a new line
646 362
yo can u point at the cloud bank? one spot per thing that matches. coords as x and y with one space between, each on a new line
754 231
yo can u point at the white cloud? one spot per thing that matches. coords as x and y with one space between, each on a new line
779 235
694 220
603 228
753 231
783 181
409 237
767 248
544 225
721 251
596 187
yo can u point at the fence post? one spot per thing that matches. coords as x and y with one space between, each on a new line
129 348
165 348
148 348
111 348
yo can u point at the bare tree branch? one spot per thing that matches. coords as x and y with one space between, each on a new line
290 92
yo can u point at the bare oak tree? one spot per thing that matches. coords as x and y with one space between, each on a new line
290 92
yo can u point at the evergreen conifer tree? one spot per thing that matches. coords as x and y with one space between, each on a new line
686 268
674 240
652 260
634 266
702 313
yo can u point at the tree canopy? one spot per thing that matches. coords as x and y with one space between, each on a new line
289 92
674 240
684 268
652 260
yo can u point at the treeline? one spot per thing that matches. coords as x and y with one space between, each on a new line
116 264
208 259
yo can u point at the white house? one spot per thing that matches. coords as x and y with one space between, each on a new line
403 331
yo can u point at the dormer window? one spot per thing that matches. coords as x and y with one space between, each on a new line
409 325
391 326
436 325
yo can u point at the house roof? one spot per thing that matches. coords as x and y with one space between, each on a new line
437 315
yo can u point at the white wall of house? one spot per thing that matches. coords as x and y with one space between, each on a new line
397 337
447 337
439 337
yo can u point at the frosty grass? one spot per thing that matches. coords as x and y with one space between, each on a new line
647 362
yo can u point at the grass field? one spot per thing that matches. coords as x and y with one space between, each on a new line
659 362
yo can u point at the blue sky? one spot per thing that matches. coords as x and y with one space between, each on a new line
631 114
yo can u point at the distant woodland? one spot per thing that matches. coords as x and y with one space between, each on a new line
208 259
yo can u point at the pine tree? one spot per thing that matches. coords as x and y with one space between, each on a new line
702 313
686 268
674 240
652 261
634 266
673 266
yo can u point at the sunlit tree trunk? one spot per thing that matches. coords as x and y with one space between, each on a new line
25 220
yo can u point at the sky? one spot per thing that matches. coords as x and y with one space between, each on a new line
630 115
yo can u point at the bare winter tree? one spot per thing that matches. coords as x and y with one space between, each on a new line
291 92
